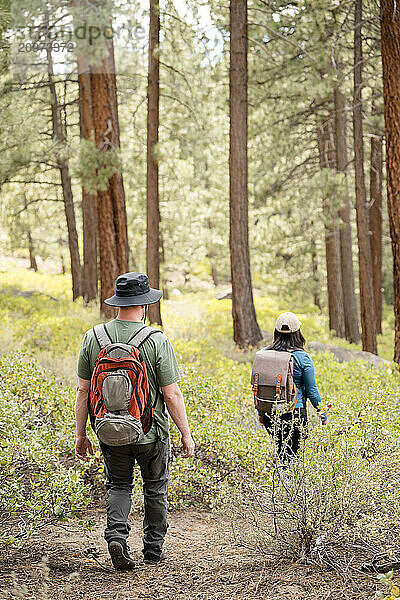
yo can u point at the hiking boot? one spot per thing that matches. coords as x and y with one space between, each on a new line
120 556
154 559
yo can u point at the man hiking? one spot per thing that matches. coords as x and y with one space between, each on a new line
130 374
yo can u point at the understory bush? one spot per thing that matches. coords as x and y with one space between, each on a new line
38 483
343 490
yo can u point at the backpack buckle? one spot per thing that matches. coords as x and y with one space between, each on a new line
255 385
278 387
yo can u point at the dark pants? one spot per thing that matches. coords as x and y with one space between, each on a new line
287 431
153 460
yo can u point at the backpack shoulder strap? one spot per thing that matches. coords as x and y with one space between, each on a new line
294 356
142 335
137 340
102 336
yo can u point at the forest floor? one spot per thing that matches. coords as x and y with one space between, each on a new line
202 564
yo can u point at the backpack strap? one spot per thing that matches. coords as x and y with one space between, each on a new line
137 340
102 336
142 335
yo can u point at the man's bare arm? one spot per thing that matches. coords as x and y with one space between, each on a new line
83 444
176 407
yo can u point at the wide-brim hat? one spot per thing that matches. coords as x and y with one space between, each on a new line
133 289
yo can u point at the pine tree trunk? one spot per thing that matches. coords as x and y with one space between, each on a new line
368 328
314 268
332 238
153 205
375 225
116 181
32 257
352 331
390 46
89 220
245 327
111 211
211 256
62 164
73 243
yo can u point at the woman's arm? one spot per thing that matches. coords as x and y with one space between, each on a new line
310 386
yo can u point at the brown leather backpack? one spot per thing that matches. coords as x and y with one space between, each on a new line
275 391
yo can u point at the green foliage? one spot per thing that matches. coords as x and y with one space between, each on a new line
38 482
386 579
39 320
96 166
345 487
297 55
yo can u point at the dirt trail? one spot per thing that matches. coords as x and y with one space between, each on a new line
202 565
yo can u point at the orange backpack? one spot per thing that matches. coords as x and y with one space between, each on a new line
119 400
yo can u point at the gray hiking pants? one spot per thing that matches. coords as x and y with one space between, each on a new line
153 460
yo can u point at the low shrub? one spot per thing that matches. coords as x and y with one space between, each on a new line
342 491
345 489
38 485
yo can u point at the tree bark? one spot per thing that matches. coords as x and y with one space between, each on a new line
390 50
32 257
89 220
375 224
211 256
327 160
62 164
152 189
111 211
368 328
352 331
31 249
246 331
314 267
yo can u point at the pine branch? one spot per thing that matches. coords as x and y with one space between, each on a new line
34 202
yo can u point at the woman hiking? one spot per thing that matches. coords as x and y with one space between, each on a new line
290 427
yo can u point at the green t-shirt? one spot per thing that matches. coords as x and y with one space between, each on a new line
158 351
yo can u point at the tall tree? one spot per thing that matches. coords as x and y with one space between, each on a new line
89 219
31 248
245 327
59 135
111 210
368 325
375 224
349 297
327 159
314 270
390 46
153 205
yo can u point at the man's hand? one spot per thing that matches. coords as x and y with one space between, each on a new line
82 447
176 408
187 446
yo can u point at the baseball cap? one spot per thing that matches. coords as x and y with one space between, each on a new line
287 322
